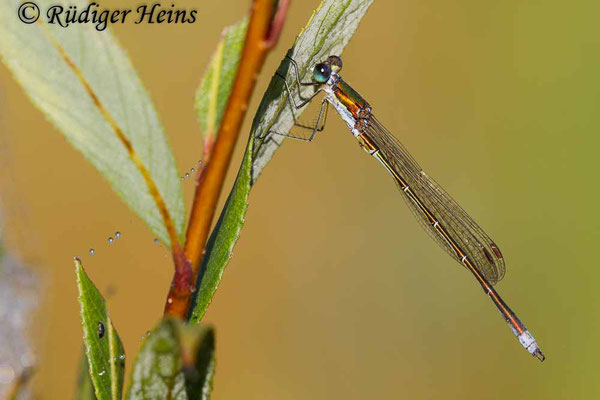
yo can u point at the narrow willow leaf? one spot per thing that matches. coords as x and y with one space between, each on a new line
86 86
328 32
219 247
103 348
173 363
85 388
213 93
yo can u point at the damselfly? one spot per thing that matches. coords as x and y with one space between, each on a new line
449 225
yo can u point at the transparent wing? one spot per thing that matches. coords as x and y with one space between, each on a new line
460 227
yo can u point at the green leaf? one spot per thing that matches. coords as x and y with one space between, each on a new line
219 247
213 93
175 362
103 348
157 370
328 32
85 387
84 83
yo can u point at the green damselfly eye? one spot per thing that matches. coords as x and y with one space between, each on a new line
321 72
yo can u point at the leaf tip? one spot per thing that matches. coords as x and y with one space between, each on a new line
79 271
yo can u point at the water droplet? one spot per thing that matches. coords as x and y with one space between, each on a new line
156 241
187 175
92 251
117 234
192 170
101 329
110 240
182 178
148 333
122 357
170 300
101 373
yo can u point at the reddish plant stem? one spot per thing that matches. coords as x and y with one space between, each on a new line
277 25
259 40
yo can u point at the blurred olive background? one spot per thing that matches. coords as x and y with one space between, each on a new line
334 290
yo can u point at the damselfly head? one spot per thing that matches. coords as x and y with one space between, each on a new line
335 63
323 71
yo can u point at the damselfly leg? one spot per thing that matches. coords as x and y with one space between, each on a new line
319 124
295 65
